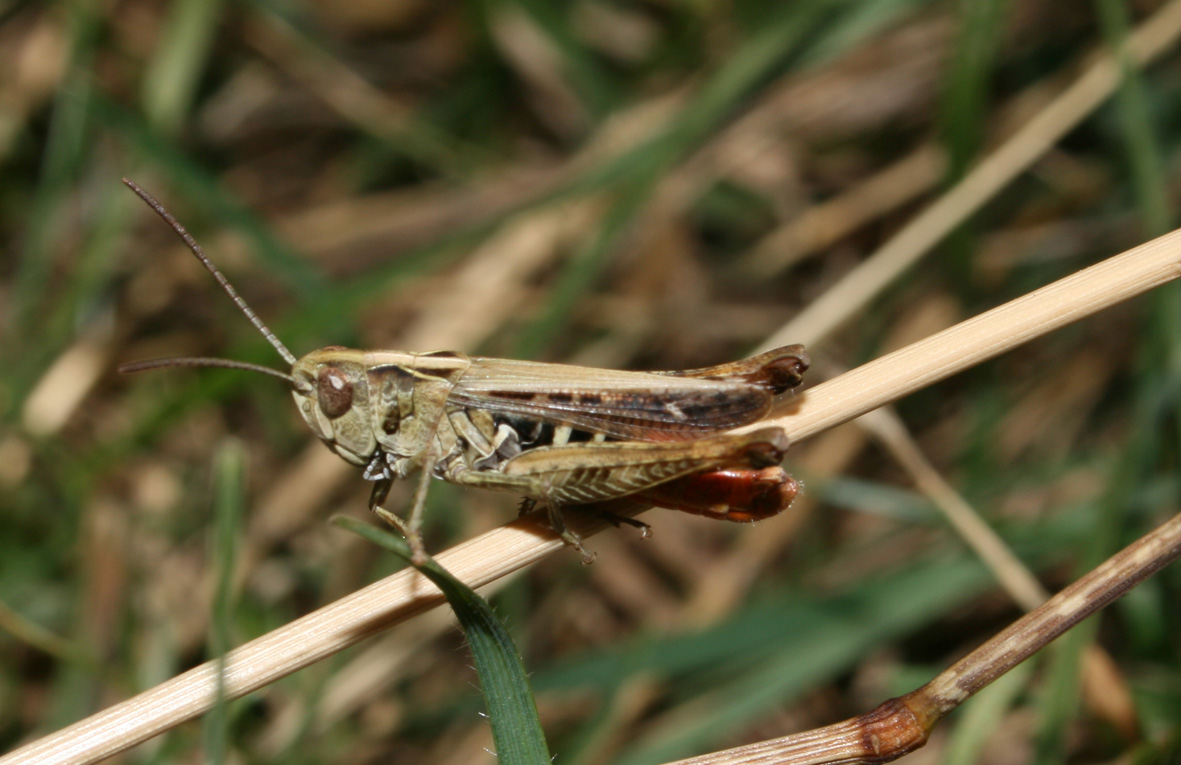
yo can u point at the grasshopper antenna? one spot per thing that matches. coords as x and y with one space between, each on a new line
195 248
197 361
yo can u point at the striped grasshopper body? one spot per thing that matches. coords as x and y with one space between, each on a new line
553 433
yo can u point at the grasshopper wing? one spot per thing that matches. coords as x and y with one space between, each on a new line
646 406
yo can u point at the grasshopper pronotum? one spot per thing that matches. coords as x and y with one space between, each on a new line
553 433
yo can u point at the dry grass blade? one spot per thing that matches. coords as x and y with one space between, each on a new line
508 548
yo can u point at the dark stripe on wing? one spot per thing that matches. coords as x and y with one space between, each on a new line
629 414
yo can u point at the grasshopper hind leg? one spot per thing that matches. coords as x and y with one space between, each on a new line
556 515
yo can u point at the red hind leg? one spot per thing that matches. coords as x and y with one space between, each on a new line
741 495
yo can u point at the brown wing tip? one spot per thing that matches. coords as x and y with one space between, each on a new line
783 368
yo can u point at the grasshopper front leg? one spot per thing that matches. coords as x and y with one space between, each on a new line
411 528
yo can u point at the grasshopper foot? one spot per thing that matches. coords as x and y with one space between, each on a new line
527 506
558 523
573 540
418 554
617 520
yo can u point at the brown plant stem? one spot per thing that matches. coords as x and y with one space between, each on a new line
901 725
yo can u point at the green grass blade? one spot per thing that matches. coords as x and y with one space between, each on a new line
965 100
1136 123
229 505
516 727
172 79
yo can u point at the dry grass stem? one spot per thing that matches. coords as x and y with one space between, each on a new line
1115 702
1017 580
506 549
983 337
826 223
296 645
846 299
902 725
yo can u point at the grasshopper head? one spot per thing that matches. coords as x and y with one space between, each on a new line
331 389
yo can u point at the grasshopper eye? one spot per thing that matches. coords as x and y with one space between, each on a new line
334 392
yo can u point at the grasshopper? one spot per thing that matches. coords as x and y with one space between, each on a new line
553 433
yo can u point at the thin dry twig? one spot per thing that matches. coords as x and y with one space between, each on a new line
508 548
1115 700
901 725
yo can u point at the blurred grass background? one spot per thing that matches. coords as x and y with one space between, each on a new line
633 184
